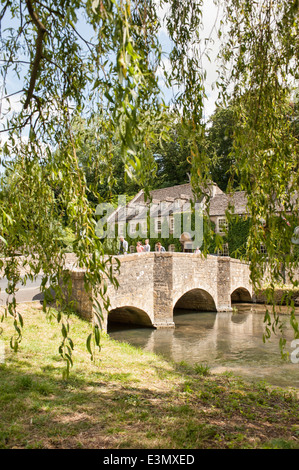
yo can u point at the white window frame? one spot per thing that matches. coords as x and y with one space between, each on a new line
224 251
157 223
132 226
121 229
222 225
144 226
263 249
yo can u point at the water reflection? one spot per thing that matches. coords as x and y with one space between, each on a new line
224 340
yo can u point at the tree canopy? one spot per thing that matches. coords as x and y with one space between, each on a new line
102 61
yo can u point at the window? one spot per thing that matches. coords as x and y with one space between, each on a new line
224 251
263 249
263 222
158 225
144 227
121 228
132 227
222 225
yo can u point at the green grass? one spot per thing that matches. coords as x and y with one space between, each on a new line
130 398
202 369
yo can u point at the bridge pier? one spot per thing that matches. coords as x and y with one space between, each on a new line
223 285
163 290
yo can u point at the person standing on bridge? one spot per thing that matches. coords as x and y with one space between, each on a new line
123 246
146 246
139 248
160 248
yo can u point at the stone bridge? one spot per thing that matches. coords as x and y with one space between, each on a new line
152 284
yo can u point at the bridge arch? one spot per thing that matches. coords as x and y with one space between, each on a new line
196 299
241 294
129 315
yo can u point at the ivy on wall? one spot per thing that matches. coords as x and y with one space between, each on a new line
237 236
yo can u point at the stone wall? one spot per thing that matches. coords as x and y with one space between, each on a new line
240 276
223 284
279 296
82 299
23 261
136 279
193 271
295 277
163 290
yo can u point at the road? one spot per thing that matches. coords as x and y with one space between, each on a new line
28 293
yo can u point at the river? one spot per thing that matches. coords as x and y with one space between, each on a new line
225 341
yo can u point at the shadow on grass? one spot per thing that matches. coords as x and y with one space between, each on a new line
109 410
135 401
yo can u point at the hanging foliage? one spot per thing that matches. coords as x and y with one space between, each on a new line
263 52
101 61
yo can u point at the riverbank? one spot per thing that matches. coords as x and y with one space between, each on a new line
281 293
130 399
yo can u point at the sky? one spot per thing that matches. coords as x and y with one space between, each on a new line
211 21
211 17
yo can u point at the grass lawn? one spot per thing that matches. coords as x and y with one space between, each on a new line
129 398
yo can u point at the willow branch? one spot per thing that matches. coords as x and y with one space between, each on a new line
11 94
89 44
4 10
38 51
21 126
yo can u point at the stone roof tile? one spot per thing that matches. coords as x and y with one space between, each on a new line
172 192
220 203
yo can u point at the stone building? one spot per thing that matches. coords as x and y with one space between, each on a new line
165 203
133 218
